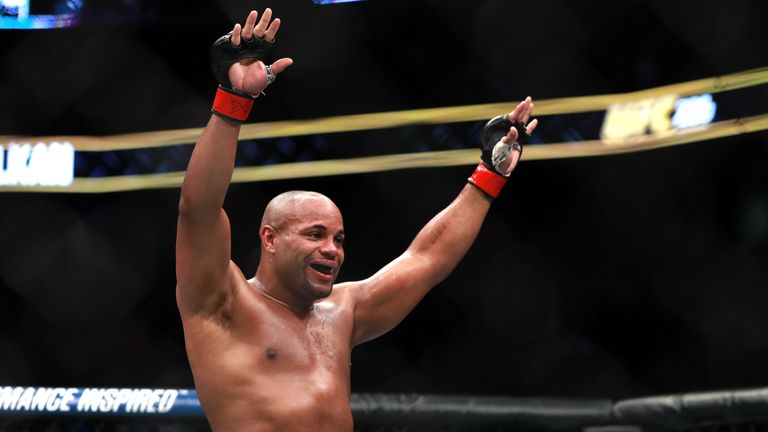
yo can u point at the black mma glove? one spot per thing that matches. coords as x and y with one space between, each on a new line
488 177
224 55
229 103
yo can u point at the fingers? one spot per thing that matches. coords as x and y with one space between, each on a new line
520 110
269 35
528 112
511 136
531 126
235 39
247 33
281 65
261 28
522 113
266 28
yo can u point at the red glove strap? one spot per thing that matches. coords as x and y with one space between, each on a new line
232 105
487 180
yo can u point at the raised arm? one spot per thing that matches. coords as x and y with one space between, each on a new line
203 267
384 299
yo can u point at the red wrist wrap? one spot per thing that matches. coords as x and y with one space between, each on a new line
232 105
487 181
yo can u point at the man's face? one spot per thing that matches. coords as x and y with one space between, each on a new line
309 248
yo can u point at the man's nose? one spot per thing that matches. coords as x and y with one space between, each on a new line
330 248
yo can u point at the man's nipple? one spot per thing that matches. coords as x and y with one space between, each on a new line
271 353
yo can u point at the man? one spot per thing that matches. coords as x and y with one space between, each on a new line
272 353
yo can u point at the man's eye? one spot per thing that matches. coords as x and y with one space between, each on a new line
339 240
315 235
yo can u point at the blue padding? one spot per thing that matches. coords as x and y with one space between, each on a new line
100 401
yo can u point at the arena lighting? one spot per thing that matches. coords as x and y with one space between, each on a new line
81 401
694 111
671 115
42 164
657 115
326 2
29 15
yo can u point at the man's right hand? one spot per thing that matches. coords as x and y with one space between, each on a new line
249 75
501 153
501 145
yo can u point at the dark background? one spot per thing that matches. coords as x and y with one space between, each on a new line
613 277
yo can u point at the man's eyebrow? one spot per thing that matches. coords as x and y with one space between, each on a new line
314 227
323 228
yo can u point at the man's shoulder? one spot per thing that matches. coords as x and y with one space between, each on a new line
346 288
342 295
347 294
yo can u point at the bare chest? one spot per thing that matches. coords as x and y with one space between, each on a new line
273 365
320 343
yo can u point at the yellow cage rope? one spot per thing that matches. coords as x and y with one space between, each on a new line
401 118
414 160
381 120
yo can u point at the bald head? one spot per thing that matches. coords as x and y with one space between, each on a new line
302 246
294 205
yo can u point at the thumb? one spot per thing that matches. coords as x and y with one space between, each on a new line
281 65
510 137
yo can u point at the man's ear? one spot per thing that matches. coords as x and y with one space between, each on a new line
268 236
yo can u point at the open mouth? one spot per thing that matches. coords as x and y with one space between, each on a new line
326 270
